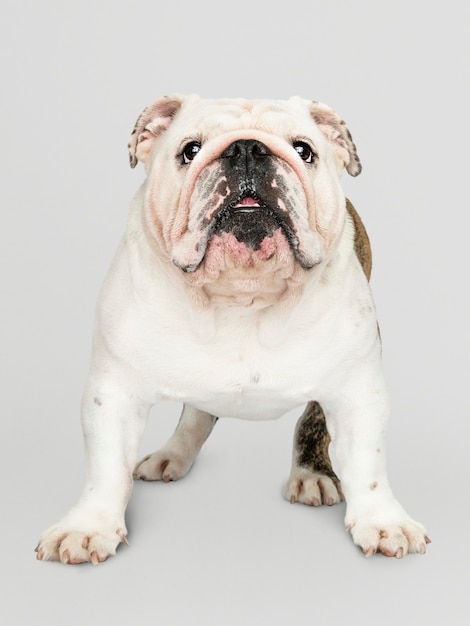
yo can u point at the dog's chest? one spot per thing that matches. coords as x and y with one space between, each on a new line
237 374
236 365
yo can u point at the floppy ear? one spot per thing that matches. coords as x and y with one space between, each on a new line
154 120
337 133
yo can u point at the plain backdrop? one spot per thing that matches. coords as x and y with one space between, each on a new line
222 547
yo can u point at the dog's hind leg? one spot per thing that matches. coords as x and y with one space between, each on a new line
312 480
175 459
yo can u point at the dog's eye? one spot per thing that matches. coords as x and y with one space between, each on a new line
189 151
304 151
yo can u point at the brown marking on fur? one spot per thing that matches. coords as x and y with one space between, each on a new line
362 246
361 241
373 486
327 121
312 441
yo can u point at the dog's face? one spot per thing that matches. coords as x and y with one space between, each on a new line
243 196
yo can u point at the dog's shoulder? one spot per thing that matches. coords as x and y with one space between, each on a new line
361 240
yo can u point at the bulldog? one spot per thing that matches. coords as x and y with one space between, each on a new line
240 289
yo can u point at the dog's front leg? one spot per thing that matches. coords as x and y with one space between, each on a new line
112 423
177 456
356 420
312 480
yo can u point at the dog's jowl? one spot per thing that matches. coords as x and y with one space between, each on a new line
240 289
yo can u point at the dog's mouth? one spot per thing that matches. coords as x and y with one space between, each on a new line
251 220
253 223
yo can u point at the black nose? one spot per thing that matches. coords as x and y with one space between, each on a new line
245 150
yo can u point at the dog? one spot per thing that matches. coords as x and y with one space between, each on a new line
241 289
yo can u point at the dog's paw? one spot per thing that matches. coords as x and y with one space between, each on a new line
312 488
395 538
166 464
80 543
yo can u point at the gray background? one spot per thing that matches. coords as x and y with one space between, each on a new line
222 547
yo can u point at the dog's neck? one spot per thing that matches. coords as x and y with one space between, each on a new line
236 287
265 313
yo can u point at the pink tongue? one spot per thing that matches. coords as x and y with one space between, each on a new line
248 201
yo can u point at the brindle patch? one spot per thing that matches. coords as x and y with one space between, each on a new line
312 441
361 241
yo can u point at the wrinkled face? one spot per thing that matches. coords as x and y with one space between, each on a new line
243 195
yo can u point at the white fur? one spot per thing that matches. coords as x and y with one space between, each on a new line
315 339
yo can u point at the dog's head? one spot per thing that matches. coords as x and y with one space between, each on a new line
243 195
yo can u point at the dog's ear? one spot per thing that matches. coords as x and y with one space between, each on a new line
154 120
337 133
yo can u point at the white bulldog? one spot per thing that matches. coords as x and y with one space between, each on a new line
240 289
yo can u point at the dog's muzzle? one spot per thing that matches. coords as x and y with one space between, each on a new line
248 213
257 199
